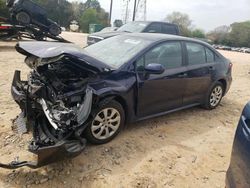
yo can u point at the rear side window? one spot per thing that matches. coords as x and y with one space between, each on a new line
169 29
153 28
196 53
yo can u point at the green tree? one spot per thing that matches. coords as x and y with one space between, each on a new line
63 12
240 34
59 11
93 14
198 33
3 9
88 17
94 4
182 20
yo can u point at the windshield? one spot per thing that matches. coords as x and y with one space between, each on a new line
117 50
133 27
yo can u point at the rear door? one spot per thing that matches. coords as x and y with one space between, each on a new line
161 92
200 68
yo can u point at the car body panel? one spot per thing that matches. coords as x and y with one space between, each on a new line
238 174
167 89
63 76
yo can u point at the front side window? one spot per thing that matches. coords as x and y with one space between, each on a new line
196 53
169 55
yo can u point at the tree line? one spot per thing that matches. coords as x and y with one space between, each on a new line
237 34
63 12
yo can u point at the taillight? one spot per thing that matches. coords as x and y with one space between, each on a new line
4 27
230 65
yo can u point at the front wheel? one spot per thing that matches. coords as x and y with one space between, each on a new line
215 96
106 123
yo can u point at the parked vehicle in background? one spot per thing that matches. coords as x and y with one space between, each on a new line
108 29
238 173
6 31
136 27
245 50
26 12
74 26
235 49
224 48
117 23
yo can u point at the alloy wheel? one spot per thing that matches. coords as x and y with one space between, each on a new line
216 96
106 123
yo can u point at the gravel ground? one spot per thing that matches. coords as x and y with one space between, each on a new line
190 148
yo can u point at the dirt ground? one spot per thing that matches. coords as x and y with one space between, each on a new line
190 148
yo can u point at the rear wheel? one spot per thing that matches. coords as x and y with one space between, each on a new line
215 96
106 123
23 18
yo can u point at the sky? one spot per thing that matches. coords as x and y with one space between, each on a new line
205 14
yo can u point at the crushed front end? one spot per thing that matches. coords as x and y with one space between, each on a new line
55 104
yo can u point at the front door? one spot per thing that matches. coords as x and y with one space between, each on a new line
161 92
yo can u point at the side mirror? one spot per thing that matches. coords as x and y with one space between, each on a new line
154 68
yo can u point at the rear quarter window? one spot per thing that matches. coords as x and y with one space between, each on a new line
210 55
169 29
153 28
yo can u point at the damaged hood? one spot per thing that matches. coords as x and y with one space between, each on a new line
46 51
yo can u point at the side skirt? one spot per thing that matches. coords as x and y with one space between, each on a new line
168 112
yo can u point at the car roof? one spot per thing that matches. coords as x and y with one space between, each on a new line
149 22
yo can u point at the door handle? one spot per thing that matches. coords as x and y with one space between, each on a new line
182 75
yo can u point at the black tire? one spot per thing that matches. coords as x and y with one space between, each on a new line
90 134
54 30
23 18
212 94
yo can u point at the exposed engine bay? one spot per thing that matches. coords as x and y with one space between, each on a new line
61 90
56 102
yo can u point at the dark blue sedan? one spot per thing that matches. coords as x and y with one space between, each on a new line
74 94
238 174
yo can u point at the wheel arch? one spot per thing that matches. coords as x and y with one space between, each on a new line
118 99
224 83
22 10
